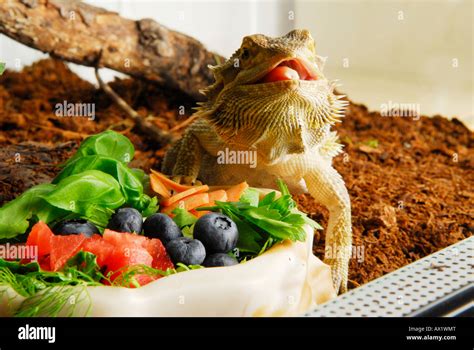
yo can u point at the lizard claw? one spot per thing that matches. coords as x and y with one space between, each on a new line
186 180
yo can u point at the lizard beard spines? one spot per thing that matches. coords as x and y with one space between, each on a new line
268 106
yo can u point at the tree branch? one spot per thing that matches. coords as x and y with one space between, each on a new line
162 137
91 36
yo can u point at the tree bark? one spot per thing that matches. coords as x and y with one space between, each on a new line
91 36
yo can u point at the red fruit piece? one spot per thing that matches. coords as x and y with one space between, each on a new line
45 263
63 248
126 255
161 260
142 280
100 248
118 238
40 236
131 249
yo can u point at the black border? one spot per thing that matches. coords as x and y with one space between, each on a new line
146 332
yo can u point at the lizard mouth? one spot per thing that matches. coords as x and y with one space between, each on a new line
292 69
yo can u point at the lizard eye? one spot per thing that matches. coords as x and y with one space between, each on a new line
245 54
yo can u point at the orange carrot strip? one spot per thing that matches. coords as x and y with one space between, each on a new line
170 184
200 213
159 187
234 193
177 197
219 195
187 203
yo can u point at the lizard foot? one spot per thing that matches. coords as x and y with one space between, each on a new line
339 272
186 180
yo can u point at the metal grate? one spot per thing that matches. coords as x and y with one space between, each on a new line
439 280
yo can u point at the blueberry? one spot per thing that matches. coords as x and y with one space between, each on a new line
217 232
186 250
219 259
161 226
126 220
75 226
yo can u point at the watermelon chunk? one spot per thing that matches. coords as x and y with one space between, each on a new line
161 259
131 249
63 248
40 236
45 263
126 255
154 247
119 238
114 250
142 280
100 248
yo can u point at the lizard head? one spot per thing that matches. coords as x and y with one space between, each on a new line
259 56
271 86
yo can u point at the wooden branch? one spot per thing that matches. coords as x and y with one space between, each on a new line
92 36
162 137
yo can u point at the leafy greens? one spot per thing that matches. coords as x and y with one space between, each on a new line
92 184
108 143
46 293
263 223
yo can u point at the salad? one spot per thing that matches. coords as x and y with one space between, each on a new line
101 222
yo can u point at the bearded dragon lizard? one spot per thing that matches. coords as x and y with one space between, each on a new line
284 120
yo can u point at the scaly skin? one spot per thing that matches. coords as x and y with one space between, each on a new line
286 124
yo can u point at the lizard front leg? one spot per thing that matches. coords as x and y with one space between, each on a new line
188 156
183 160
327 187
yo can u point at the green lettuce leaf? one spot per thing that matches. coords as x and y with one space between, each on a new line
130 184
250 196
91 194
15 215
183 218
108 143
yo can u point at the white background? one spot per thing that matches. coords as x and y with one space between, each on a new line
400 51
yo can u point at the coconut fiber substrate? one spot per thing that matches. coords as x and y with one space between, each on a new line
410 181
